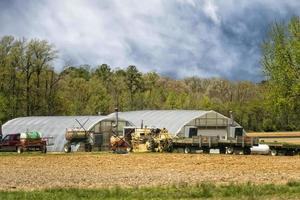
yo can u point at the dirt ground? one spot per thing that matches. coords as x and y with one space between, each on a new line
36 171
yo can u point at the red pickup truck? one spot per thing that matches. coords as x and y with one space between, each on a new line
14 142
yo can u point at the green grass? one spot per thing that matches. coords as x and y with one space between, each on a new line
290 190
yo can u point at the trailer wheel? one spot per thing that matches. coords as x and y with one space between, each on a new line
187 150
44 149
229 150
246 151
88 147
19 149
67 148
290 152
170 149
274 152
206 150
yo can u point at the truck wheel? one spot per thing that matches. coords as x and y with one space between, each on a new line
44 149
67 148
187 150
274 152
19 150
229 150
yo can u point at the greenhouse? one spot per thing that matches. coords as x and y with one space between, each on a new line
183 123
54 127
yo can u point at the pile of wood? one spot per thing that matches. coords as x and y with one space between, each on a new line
273 134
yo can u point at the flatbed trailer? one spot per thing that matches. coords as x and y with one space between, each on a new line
280 143
237 145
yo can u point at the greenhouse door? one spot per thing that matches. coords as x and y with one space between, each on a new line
193 132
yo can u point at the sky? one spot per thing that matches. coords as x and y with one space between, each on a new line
175 38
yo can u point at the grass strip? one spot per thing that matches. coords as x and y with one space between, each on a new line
291 190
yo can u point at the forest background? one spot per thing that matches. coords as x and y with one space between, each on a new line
30 85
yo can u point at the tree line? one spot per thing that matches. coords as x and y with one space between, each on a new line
29 85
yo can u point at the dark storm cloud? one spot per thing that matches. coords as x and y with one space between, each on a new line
179 38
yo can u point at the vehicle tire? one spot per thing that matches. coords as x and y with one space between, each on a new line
67 148
170 149
19 150
274 152
150 145
187 150
229 150
88 147
290 153
206 150
246 151
44 149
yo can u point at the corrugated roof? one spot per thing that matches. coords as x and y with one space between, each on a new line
50 126
173 120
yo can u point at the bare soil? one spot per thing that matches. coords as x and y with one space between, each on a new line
83 170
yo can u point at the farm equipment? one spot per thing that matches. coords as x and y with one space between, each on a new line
280 143
148 140
118 144
19 142
160 140
75 136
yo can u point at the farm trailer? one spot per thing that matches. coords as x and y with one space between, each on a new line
280 143
237 145
151 139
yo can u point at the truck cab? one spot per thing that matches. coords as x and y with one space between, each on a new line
14 142
10 142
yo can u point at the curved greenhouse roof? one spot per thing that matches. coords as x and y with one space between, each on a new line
173 120
54 126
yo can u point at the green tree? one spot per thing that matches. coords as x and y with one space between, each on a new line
281 61
133 82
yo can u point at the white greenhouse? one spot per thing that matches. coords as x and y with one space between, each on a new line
183 123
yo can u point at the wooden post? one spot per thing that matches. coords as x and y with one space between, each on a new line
200 141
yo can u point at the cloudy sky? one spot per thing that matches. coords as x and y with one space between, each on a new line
176 38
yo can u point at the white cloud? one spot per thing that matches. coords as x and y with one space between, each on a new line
211 10
179 38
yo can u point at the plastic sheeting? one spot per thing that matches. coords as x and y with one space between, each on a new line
173 120
53 126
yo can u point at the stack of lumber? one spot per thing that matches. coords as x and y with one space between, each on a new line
273 134
286 139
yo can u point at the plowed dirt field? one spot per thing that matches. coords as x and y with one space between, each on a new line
28 172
